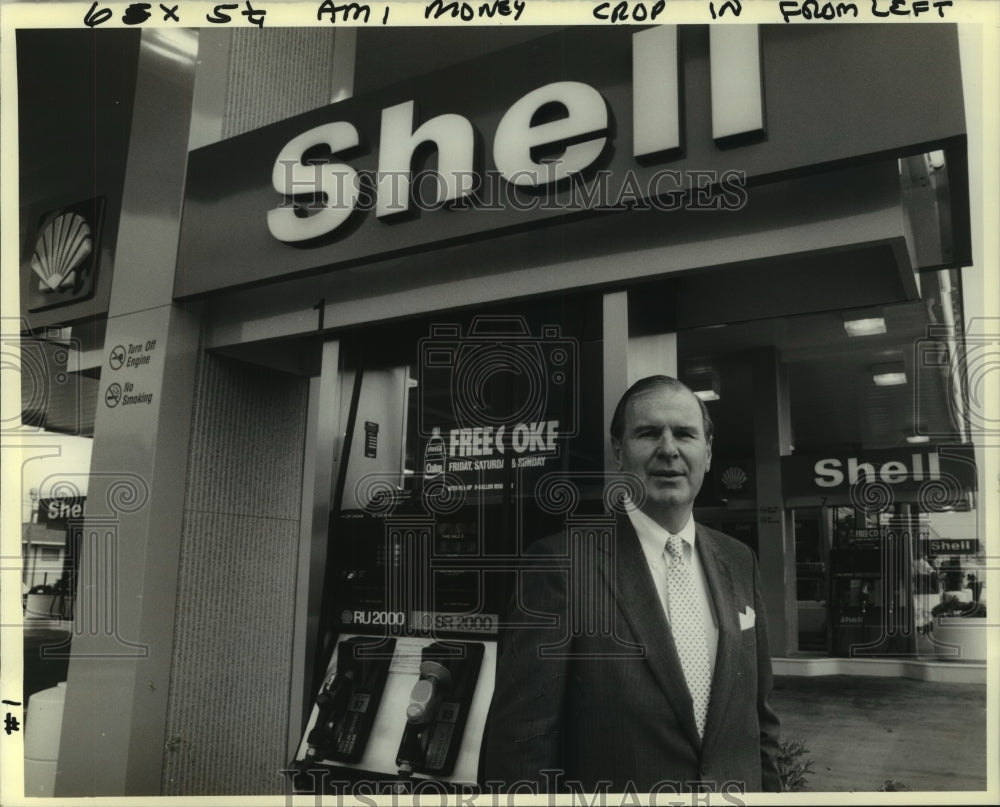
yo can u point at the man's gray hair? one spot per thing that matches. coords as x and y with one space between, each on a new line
646 384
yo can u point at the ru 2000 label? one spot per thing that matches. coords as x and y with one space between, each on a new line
388 618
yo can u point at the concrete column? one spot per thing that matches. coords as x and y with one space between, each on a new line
627 359
775 535
116 698
324 441
345 45
615 342
655 354
208 103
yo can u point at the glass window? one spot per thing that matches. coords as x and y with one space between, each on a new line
452 428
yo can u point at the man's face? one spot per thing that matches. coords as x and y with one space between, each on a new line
664 444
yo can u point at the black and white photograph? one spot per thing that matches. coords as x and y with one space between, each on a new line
485 403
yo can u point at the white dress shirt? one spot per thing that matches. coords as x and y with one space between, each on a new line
653 539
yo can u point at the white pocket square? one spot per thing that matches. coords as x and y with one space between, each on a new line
747 618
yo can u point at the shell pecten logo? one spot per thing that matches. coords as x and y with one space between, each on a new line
59 264
734 478
61 248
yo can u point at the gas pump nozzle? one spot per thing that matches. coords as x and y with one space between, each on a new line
348 701
439 707
435 680
425 697
332 702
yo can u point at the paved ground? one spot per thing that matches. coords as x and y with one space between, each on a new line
861 731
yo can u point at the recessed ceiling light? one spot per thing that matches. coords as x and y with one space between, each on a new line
889 375
868 326
917 438
703 380
889 379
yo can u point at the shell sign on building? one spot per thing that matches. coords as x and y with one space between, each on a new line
939 477
591 122
61 266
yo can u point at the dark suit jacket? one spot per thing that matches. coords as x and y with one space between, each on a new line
597 694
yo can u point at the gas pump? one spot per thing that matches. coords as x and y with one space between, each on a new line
435 500
410 679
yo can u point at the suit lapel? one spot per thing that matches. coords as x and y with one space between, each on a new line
628 574
720 586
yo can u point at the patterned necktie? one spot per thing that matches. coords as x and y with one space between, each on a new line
687 624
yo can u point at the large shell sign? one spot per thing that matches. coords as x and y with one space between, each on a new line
62 263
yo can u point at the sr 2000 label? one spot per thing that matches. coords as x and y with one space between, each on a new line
463 623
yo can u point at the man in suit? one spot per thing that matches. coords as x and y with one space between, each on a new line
644 668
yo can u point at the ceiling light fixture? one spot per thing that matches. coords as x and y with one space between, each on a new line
865 326
892 374
917 438
705 384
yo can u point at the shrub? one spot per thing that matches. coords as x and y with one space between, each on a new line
793 765
952 606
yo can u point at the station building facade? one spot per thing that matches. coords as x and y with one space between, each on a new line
352 292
